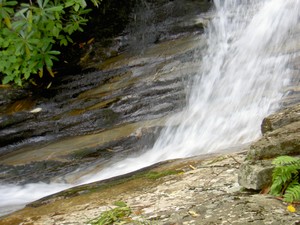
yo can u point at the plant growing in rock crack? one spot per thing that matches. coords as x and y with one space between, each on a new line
28 32
113 216
118 215
285 178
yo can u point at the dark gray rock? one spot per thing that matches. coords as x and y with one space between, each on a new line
10 95
281 136
88 103
280 119
255 175
282 141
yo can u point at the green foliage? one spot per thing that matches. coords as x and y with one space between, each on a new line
28 32
118 215
113 216
286 178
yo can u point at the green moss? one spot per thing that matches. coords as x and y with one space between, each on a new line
155 175
104 185
219 159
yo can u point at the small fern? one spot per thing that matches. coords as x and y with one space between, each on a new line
292 192
285 178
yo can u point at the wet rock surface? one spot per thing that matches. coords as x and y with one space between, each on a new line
203 191
131 87
47 163
95 111
108 112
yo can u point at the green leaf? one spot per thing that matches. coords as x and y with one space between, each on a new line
28 34
76 7
83 3
12 59
63 42
80 29
69 39
26 74
20 50
54 9
120 204
69 3
48 61
50 26
21 12
53 52
5 44
292 192
96 2
40 3
281 160
6 32
19 24
55 31
7 79
11 3
18 81
45 3
34 41
285 178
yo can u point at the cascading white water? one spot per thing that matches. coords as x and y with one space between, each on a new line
238 84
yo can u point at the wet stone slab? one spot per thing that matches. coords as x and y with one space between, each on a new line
45 163
203 191
92 117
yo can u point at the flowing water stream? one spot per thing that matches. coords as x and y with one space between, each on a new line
239 82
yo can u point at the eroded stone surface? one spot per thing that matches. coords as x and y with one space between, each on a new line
281 136
131 86
256 175
280 119
98 115
282 141
206 192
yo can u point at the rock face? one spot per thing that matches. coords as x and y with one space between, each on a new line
199 191
115 111
94 116
85 103
281 130
255 175
281 136
280 119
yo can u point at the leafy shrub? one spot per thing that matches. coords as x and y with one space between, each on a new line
28 32
286 178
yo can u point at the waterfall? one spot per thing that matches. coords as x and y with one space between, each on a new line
239 82
240 78
237 85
